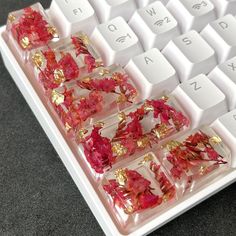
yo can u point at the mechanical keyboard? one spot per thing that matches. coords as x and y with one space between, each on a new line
136 96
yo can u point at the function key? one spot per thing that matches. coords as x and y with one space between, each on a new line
109 9
71 16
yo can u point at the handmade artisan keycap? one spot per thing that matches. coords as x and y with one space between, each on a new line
195 158
83 102
138 190
30 28
140 128
66 60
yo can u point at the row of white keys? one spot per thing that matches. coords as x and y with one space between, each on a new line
225 127
152 74
192 14
202 100
220 34
224 7
154 25
69 16
190 55
224 76
109 9
116 41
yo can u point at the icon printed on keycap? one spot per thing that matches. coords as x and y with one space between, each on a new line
122 39
198 6
160 23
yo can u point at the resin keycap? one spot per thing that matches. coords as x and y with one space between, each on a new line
195 158
82 102
66 60
30 28
136 130
138 188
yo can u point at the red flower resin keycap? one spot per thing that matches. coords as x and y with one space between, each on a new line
139 186
66 60
30 28
191 158
82 102
144 126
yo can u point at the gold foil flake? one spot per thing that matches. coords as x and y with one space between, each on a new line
103 71
146 159
172 145
148 107
143 142
59 76
100 124
165 98
57 97
98 64
116 77
119 149
67 126
37 59
85 39
215 140
122 116
86 80
121 176
53 31
161 131
25 42
11 18
201 146
121 98
81 134
202 170
129 210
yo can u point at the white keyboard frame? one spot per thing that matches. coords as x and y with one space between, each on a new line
77 172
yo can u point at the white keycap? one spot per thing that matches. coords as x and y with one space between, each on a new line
144 3
71 16
109 9
192 14
201 99
225 127
224 7
154 25
190 55
220 34
116 42
152 74
224 77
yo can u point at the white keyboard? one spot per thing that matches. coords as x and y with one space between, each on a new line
137 97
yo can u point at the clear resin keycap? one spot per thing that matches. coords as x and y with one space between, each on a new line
136 130
30 28
68 59
195 158
100 94
138 190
